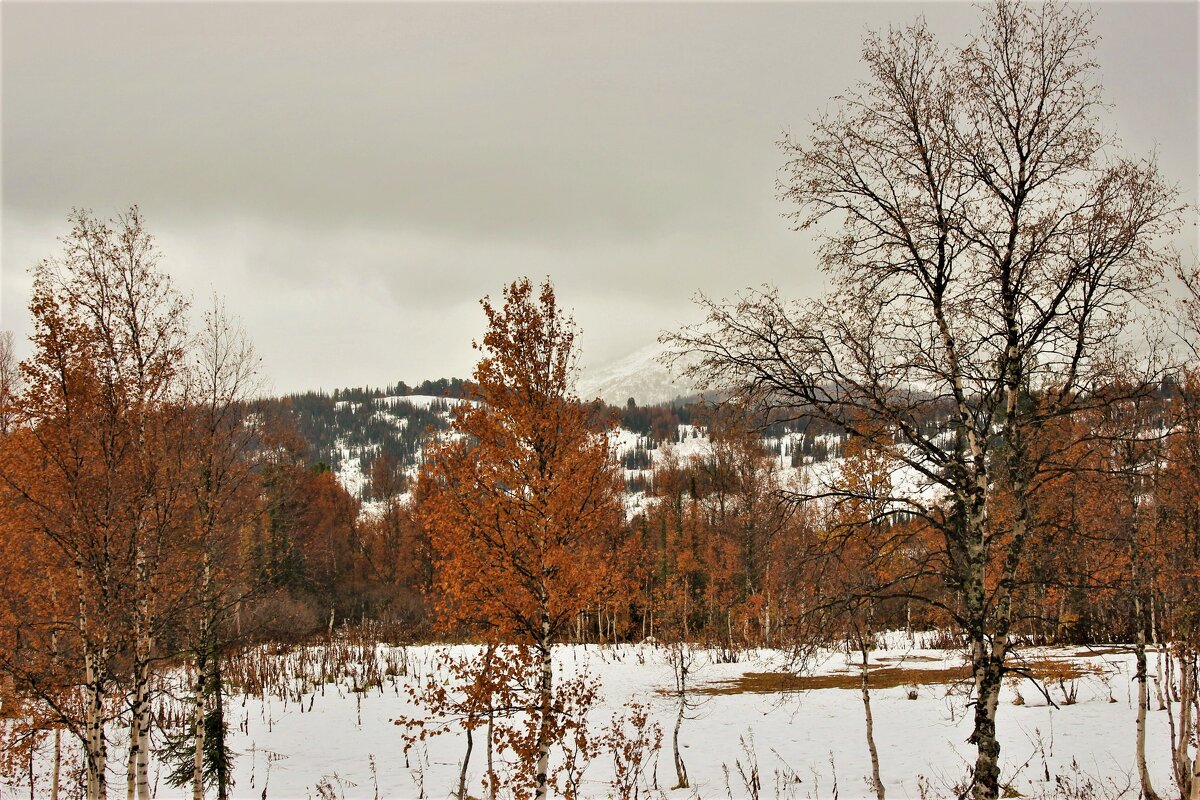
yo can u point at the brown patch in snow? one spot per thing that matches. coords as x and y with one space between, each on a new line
881 677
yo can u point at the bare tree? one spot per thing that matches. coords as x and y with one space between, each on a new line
993 251
224 381
10 380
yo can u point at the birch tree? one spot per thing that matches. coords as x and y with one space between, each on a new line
9 380
103 486
223 495
991 248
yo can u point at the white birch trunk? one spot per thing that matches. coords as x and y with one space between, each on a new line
546 700
96 755
1143 699
681 674
876 781
135 740
491 769
681 777
95 752
143 644
198 751
57 765
142 764
1189 699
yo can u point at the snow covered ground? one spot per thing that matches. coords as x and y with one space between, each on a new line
330 738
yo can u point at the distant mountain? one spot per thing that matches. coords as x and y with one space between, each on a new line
639 375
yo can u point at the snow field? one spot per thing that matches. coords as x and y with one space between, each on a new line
329 737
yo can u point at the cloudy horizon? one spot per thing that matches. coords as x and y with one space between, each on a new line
353 178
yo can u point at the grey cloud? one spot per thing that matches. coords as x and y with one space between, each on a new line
365 172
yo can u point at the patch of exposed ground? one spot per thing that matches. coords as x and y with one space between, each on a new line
1113 651
882 677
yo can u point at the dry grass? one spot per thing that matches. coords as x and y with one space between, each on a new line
882 677
1104 651
1114 651
878 678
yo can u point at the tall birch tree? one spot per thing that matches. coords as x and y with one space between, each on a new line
103 483
990 251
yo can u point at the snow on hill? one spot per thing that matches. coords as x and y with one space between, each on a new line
816 477
389 411
639 375
414 400
642 455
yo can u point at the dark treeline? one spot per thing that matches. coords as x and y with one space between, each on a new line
716 528
365 424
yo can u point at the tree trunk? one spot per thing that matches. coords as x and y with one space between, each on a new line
987 651
57 765
462 774
546 700
203 687
94 664
767 621
1186 769
135 740
988 675
866 698
1156 638
97 755
143 644
198 724
216 686
491 770
681 778
142 760
1143 701
681 670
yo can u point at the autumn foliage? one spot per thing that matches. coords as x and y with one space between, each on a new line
523 505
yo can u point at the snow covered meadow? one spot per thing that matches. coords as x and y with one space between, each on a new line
745 738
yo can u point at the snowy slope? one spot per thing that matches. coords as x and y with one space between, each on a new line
639 375
389 410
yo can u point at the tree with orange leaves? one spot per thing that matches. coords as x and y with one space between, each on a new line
522 505
101 466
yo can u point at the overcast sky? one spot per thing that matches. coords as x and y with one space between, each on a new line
353 178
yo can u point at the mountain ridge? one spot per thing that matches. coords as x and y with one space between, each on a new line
640 374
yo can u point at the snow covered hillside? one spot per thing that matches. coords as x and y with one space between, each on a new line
639 375
350 434
399 423
791 467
